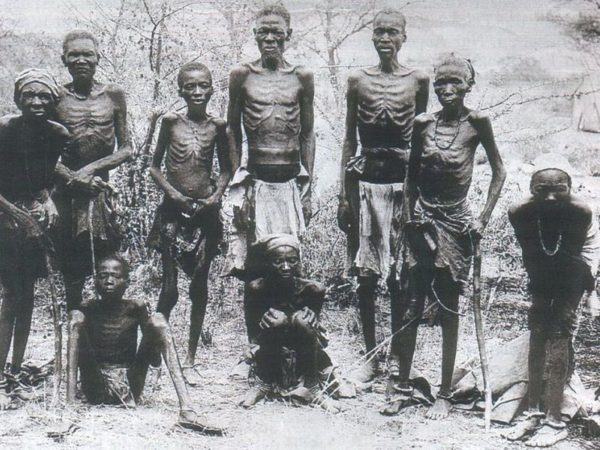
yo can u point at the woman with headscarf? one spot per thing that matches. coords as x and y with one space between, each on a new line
30 146
285 311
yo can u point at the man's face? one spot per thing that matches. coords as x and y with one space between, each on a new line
284 262
388 36
81 58
36 101
196 87
551 188
111 280
271 33
451 84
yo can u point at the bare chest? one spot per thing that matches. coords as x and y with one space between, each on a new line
272 90
190 141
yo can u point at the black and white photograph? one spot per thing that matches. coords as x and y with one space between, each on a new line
300 224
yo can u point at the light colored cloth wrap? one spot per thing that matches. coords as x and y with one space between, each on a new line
379 227
590 252
272 208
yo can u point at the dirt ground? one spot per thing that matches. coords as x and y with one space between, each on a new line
520 29
276 424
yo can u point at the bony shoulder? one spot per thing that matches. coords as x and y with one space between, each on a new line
58 129
521 207
170 117
580 206
114 89
312 287
218 122
240 70
421 76
424 118
477 116
304 73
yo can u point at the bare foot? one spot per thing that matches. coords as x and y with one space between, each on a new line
547 436
393 407
366 372
439 410
191 420
191 376
253 396
5 400
326 403
521 429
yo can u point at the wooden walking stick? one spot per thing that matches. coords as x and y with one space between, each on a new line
57 324
479 330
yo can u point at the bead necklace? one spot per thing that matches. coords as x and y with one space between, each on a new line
558 241
435 134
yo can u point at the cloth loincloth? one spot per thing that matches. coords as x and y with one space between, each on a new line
261 208
379 228
192 242
110 386
73 237
19 253
450 225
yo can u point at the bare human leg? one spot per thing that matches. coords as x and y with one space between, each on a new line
199 298
367 292
8 315
23 321
447 291
157 336
169 294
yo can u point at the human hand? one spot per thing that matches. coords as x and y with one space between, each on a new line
476 230
308 316
307 211
186 205
344 215
50 211
203 204
28 223
273 318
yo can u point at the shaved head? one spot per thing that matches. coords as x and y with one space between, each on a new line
456 64
550 176
390 14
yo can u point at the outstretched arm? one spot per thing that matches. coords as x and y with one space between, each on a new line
483 126
124 151
234 116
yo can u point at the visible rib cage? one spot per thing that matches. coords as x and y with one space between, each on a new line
190 143
91 124
387 101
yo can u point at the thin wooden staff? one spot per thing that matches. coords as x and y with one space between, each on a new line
57 324
479 331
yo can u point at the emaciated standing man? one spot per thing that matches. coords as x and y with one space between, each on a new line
274 100
382 102
96 116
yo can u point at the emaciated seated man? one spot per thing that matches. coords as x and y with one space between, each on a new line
559 237
187 228
291 339
30 147
440 230
102 343
382 102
